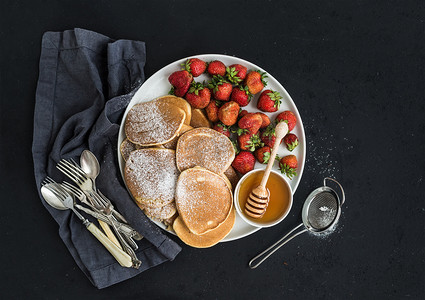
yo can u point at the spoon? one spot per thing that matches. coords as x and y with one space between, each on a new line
67 203
258 199
90 166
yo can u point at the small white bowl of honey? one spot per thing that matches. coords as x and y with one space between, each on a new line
280 193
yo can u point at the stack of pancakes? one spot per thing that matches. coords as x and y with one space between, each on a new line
178 174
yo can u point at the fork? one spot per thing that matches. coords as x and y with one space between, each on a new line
127 231
76 174
68 201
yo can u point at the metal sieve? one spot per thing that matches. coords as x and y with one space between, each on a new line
320 213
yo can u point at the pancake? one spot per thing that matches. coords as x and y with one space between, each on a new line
160 213
199 119
203 199
208 239
151 175
180 103
232 176
153 123
206 148
173 143
126 148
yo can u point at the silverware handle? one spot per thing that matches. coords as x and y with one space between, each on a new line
273 248
125 229
123 258
340 187
135 261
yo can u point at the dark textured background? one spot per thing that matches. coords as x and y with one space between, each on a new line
355 70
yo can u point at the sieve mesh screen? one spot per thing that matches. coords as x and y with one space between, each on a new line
322 210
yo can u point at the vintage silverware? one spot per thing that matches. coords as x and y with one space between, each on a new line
53 192
76 174
125 229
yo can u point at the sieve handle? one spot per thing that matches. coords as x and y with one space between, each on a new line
340 186
273 248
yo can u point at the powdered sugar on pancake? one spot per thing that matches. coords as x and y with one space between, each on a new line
153 123
206 148
151 175
126 148
203 200
161 213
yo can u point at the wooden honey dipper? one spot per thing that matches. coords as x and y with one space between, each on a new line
258 199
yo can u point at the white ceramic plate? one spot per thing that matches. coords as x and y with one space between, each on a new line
157 85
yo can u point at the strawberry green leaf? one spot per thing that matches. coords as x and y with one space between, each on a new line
235 146
266 157
171 92
288 171
292 145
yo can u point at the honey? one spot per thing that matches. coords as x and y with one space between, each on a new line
279 196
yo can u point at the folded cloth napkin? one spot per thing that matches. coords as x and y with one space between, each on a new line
85 83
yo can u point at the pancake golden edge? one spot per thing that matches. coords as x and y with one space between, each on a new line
173 143
127 147
208 239
166 109
180 103
191 222
199 119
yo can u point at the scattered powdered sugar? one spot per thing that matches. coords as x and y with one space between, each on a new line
151 175
152 123
323 152
326 217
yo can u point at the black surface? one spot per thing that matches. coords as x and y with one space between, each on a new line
356 72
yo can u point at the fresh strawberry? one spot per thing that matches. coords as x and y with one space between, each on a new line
291 141
288 165
180 80
236 73
255 81
220 127
198 96
263 154
269 101
288 117
228 113
266 120
242 113
216 67
244 162
212 111
243 140
195 66
221 89
249 142
241 95
268 136
252 122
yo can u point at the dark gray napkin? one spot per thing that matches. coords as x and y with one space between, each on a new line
86 81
